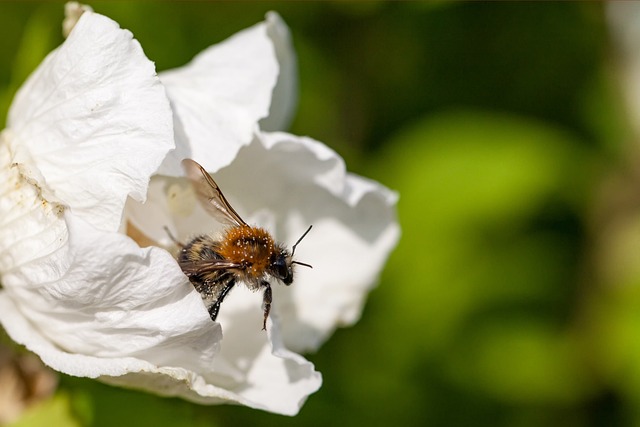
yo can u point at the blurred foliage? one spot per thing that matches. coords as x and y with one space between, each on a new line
54 412
513 298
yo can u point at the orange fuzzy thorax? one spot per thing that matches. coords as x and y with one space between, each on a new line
250 246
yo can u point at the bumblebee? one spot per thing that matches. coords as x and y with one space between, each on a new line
242 253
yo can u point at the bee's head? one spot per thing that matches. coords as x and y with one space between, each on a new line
282 267
282 263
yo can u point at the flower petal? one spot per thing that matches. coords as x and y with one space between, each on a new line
106 291
287 183
129 314
92 123
219 97
285 95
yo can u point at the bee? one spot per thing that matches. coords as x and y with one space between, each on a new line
243 253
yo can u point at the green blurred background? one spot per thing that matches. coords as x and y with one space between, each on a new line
513 298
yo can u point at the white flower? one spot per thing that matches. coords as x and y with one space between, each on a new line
86 132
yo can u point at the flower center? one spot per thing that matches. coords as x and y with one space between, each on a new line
181 199
168 199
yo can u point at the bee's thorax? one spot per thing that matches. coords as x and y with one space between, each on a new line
250 246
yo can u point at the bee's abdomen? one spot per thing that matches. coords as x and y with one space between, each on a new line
202 248
197 253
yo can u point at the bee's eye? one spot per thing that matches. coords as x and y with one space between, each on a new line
281 270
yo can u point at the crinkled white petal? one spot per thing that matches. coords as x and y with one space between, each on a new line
31 228
218 98
89 292
273 379
82 120
285 95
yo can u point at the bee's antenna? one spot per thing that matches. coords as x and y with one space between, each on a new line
293 248
302 263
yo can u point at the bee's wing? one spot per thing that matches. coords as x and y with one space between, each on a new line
200 267
210 195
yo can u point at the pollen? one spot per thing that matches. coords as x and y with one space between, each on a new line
252 247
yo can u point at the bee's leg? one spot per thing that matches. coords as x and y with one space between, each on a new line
266 301
173 239
215 307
